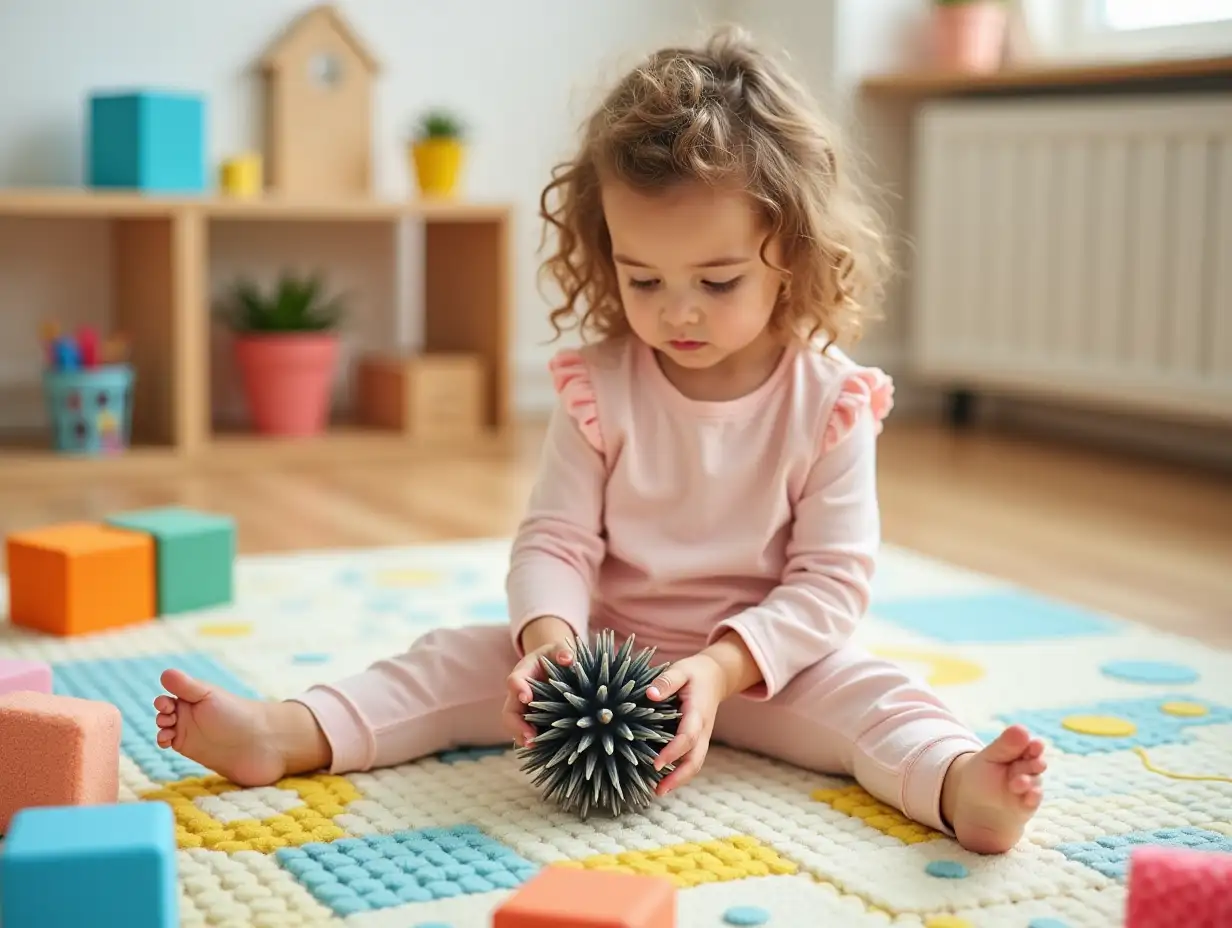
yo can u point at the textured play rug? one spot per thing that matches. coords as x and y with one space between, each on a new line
1139 728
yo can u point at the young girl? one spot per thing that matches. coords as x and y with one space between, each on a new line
707 481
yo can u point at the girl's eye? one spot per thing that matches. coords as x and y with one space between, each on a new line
722 286
642 284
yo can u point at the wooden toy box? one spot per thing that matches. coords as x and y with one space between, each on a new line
437 397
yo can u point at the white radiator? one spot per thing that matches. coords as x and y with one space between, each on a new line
1077 248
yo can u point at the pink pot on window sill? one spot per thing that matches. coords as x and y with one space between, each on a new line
970 37
287 380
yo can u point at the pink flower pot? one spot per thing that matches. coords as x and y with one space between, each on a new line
970 36
287 380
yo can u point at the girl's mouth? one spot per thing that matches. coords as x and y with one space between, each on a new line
683 344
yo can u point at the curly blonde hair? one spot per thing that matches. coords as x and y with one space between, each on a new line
724 113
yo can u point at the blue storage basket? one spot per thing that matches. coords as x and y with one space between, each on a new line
90 410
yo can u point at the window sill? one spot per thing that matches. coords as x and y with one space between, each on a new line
1048 76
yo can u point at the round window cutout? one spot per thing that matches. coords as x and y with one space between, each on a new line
325 70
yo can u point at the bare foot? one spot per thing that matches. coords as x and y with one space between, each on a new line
251 743
989 796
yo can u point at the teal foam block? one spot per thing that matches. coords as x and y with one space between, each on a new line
146 139
106 866
195 563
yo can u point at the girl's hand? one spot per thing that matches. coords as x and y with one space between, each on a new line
701 684
520 693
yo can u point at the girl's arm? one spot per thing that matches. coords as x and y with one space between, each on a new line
826 582
740 669
558 546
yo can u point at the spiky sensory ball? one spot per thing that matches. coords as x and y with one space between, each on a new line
598 731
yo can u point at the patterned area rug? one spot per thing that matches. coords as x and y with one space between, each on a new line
1139 727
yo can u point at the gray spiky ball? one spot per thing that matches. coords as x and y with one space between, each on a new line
598 733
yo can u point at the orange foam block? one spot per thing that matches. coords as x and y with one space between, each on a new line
80 577
570 897
57 751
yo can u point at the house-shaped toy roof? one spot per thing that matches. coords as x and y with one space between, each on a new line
319 77
305 28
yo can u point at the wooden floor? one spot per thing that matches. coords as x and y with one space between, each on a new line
1147 541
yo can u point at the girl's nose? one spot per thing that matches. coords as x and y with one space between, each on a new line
678 311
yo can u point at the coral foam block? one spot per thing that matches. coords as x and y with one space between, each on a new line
58 751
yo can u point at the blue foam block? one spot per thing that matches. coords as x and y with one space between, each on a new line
147 140
107 866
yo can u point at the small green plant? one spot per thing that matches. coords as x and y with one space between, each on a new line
293 304
439 124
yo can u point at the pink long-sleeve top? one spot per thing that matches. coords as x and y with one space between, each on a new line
676 519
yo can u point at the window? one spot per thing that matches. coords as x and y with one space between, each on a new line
1154 14
1131 29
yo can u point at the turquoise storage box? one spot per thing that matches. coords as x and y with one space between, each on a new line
194 555
90 409
150 140
105 866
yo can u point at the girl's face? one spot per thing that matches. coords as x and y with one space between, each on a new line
692 281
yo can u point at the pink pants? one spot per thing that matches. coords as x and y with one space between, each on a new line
851 714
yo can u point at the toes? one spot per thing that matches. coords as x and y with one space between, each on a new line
182 685
1026 789
1034 748
1009 745
165 720
1032 767
165 737
1021 784
165 703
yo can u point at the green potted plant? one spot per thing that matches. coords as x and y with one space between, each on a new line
969 35
286 348
437 151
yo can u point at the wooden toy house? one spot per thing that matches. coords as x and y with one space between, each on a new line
319 79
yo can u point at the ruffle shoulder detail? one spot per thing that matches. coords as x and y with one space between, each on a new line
571 380
866 388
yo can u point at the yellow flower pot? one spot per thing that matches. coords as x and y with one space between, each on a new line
438 165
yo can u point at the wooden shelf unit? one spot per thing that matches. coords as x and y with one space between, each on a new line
160 297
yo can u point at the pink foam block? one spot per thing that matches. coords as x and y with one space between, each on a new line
58 751
1170 886
16 676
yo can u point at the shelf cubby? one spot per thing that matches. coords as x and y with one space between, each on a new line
159 272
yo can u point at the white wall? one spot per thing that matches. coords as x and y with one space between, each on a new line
522 115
